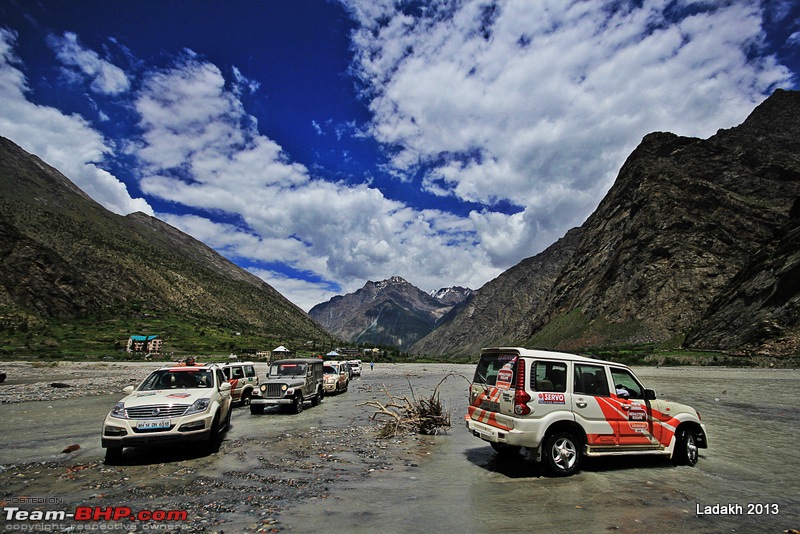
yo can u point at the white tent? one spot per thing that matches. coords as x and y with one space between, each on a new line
332 354
281 353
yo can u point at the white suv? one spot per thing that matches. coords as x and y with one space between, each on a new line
355 367
243 380
173 404
563 407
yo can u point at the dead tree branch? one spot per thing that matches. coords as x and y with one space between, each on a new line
402 415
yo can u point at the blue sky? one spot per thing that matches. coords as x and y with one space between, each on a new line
323 144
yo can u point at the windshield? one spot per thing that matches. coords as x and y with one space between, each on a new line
287 369
178 378
331 370
489 365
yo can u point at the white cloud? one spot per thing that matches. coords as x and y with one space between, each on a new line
106 78
540 102
67 142
532 103
302 293
201 149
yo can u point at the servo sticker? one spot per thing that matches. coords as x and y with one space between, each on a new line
504 377
551 398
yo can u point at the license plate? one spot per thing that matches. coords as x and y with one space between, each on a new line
151 425
489 436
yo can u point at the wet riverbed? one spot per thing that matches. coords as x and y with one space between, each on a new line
324 470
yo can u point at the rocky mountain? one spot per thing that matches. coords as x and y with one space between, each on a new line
500 313
695 244
65 257
392 312
452 295
759 312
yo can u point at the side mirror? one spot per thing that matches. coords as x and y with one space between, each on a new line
226 386
128 389
649 394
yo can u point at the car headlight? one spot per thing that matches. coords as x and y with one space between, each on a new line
200 405
119 410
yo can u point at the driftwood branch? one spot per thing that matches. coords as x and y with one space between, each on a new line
402 415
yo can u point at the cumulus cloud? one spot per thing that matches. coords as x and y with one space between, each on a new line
106 78
527 109
200 148
67 142
538 103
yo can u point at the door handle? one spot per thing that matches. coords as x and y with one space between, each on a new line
625 407
581 404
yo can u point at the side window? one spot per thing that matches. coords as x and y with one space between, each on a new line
591 380
220 378
626 385
249 371
238 372
549 376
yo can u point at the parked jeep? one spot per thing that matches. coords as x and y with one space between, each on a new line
243 380
289 384
563 407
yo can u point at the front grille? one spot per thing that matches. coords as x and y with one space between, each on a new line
157 411
273 390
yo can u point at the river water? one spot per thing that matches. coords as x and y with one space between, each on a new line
753 426
452 482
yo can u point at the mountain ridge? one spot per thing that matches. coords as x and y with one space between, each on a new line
65 257
391 312
683 219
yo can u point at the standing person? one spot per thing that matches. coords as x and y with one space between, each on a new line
371 366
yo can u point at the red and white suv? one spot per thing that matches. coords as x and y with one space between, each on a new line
563 407
243 380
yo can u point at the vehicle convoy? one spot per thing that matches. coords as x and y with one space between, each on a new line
243 379
289 384
173 404
563 407
337 377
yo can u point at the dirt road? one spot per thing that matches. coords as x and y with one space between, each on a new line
324 470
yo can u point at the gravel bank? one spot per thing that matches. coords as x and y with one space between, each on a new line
266 464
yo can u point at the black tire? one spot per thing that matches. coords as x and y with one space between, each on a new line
317 398
297 403
506 451
246 397
212 442
256 409
113 455
228 419
562 454
686 451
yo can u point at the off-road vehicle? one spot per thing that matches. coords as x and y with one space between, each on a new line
563 407
289 384
173 404
243 379
336 377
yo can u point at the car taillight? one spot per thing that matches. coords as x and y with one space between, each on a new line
521 397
